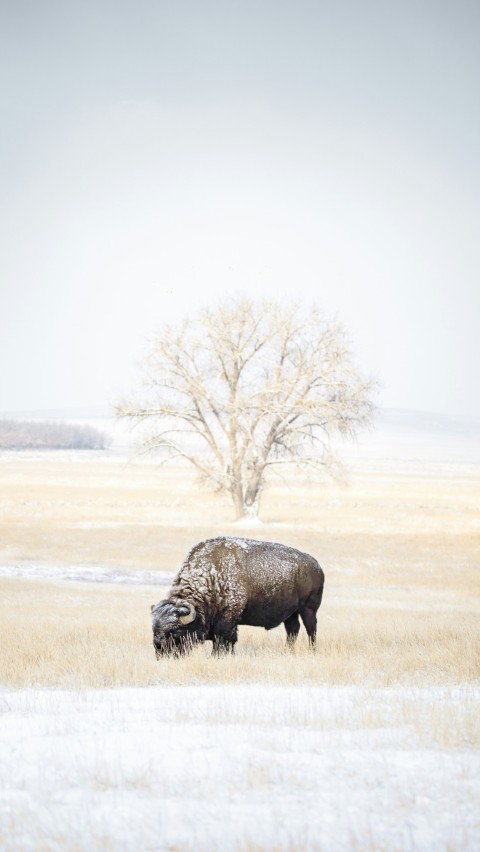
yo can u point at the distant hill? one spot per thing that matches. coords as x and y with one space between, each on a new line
399 435
49 435
424 421
396 434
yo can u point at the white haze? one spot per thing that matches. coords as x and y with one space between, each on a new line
159 156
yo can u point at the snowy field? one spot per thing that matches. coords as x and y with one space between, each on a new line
371 744
239 767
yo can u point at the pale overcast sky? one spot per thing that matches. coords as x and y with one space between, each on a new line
161 154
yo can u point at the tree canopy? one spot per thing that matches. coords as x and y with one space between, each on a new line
242 388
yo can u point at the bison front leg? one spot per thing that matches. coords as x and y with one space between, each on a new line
224 639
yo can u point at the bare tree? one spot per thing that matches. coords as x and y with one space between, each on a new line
246 387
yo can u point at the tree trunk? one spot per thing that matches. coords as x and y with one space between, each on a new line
247 505
238 502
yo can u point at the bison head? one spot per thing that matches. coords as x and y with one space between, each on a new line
173 627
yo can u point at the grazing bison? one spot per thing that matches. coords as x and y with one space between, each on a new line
224 582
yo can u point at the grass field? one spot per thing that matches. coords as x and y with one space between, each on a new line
400 551
372 743
72 635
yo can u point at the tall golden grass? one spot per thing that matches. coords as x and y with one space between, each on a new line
67 635
400 550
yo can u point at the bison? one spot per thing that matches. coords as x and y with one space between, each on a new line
224 582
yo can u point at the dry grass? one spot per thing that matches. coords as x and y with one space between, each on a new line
400 551
414 527
70 635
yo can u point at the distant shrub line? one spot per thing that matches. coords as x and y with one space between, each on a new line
31 435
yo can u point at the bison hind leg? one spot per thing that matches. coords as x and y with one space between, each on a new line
309 618
292 626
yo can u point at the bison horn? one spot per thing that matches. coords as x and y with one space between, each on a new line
186 613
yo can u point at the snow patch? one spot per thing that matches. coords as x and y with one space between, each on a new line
87 574
227 767
248 522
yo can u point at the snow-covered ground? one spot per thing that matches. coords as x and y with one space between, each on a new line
238 767
87 574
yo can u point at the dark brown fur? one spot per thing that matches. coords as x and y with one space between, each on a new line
232 581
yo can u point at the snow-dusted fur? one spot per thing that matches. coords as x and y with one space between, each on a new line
232 581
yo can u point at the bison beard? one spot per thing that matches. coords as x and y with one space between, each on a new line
224 582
